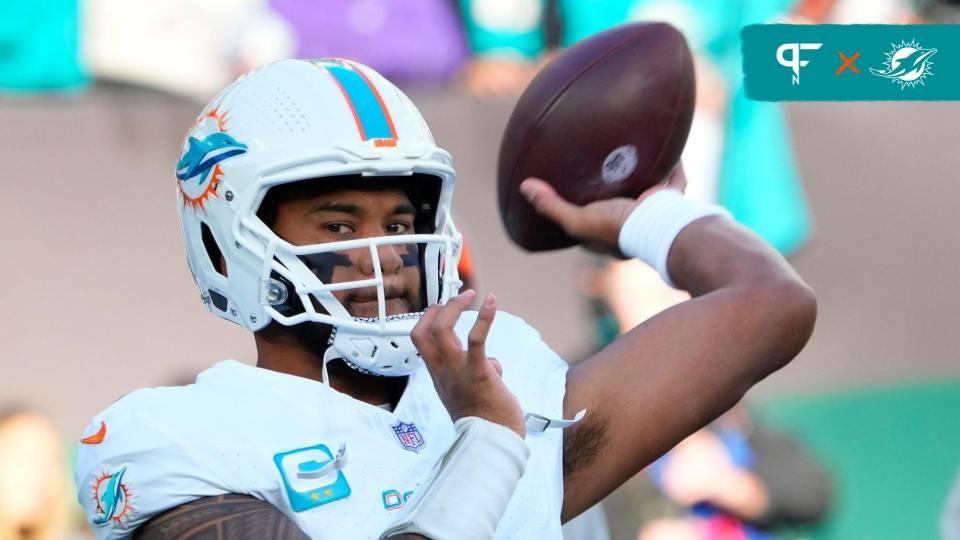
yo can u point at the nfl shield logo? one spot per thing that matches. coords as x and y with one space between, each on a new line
408 435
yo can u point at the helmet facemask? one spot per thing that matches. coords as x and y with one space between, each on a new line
401 275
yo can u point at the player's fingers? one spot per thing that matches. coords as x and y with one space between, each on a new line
421 336
449 313
549 203
477 338
441 327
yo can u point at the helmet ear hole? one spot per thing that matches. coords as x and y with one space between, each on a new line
213 250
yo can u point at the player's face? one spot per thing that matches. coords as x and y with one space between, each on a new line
355 214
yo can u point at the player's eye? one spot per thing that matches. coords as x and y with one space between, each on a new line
398 228
338 228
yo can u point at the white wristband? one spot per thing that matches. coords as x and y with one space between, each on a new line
651 228
489 458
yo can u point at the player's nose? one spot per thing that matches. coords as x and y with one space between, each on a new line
390 258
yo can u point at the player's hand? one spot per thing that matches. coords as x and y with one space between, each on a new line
468 382
597 225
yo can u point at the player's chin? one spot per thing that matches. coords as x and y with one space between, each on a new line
371 309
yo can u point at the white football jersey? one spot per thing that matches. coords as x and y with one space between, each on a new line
251 431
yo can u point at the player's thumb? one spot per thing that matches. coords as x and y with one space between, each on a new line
549 203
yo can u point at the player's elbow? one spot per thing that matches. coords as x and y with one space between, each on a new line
801 314
787 312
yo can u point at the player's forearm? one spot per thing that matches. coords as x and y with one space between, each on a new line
714 253
771 302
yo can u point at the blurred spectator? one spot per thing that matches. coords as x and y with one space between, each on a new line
415 40
810 11
35 487
938 11
495 76
40 46
506 39
870 12
757 175
194 48
186 47
739 480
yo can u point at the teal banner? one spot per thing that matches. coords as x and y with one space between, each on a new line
861 62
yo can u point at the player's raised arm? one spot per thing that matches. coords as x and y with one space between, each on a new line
750 315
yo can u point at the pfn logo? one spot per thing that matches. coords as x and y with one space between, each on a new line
794 62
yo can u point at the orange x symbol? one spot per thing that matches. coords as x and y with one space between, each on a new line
848 62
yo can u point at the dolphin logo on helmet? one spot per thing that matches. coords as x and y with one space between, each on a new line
202 156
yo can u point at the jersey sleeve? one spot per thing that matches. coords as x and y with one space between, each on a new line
128 470
537 375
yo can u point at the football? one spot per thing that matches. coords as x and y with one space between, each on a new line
607 118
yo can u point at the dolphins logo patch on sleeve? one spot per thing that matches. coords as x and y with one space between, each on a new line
907 64
112 497
207 145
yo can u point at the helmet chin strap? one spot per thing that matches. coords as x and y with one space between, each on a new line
339 461
384 350
335 354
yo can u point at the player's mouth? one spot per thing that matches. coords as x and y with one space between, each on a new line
365 303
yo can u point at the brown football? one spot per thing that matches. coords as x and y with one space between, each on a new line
607 118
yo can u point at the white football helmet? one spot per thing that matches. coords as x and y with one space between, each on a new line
296 120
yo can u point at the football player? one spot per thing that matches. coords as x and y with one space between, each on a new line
315 208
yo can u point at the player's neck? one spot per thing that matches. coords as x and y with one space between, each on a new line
290 358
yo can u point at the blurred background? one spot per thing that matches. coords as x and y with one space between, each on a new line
857 438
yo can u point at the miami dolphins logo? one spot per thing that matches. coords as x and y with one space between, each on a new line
113 498
207 145
907 64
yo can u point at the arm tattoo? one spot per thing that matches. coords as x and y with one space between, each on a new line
582 444
234 517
